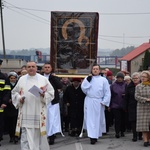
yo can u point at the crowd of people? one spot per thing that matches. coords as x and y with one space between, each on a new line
92 105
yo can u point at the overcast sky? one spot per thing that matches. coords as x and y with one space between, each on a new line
122 23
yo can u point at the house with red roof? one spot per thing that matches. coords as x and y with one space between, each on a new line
133 61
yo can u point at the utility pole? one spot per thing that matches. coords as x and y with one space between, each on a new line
1 11
123 39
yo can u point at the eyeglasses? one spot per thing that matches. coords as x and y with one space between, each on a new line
135 78
144 77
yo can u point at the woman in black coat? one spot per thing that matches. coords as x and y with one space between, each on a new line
131 103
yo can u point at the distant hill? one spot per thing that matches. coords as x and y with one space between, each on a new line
104 52
27 52
122 52
46 51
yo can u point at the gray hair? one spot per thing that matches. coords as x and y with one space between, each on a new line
135 74
127 77
148 74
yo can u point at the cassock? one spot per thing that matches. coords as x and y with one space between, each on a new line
97 97
32 113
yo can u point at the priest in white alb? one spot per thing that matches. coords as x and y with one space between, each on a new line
97 90
32 109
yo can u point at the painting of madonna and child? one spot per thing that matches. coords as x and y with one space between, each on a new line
74 40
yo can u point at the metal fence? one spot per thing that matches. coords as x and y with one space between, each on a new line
105 61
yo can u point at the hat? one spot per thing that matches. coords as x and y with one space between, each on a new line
12 74
109 73
1 61
76 79
120 75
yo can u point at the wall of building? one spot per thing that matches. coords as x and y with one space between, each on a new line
136 63
12 64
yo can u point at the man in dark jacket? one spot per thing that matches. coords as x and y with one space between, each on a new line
4 98
53 118
74 98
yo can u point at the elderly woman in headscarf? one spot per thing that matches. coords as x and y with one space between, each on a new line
11 112
117 104
142 95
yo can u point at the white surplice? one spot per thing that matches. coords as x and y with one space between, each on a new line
53 124
32 114
53 120
97 97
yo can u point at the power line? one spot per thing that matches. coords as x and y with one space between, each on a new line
121 14
27 16
116 41
111 36
115 36
26 12
99 35
31 9
42 10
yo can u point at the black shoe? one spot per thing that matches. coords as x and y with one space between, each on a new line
72 133
11 140
93 141
1 138
0 141
15 140
128 130
122 134
117 135
134 139
51 140
66 130
146 144
77 133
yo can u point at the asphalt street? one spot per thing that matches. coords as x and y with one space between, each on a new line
107 142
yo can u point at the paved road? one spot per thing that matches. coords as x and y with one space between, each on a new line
107 142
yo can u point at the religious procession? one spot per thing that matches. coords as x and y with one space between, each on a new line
37 106
75 100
